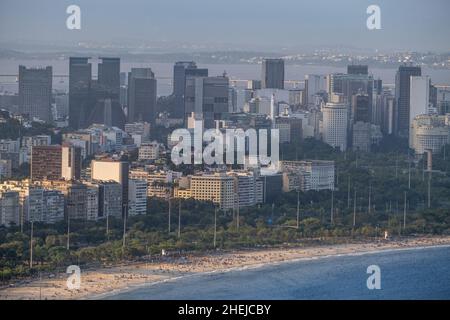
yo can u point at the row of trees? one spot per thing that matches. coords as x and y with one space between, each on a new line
379 181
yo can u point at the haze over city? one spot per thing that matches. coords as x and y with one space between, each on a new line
256 24
225 151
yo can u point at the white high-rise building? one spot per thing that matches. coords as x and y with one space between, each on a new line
419 99
335 124
313 85
137 197
419 96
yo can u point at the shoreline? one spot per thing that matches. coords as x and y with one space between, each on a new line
105 282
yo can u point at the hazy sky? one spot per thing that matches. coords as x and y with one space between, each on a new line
406 24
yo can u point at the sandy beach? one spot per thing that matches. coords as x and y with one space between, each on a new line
98 282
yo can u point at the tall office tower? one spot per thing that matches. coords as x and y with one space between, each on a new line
361 108
388 114
443 100
110 170
348 85
419 97
272 74
434 98
181 70
123 78
378 86
358 69
109 76
141 95
80 77
335 121
402 96
71 162
35 92
207 97
46 162
313 85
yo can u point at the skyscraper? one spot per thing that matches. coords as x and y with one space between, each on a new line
358 69
419 97
109 76
80 77
335 123
313 85
272 74
361 108
181 70
141 95
104 104
207 97
402 96
35 92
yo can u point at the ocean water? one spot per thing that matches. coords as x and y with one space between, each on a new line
418 274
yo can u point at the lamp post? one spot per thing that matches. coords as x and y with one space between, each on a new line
106 210
215 226
68 226
332 206
31 245
298 208
179 219
125 214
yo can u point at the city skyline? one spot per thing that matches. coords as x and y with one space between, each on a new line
173 149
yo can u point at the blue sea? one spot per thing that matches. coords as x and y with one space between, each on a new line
418 274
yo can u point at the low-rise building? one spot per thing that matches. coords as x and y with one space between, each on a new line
314 174
149 151
429 132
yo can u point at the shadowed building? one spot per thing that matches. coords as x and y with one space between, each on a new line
402 96
35 92
80 77
181 70
272 74
141 95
